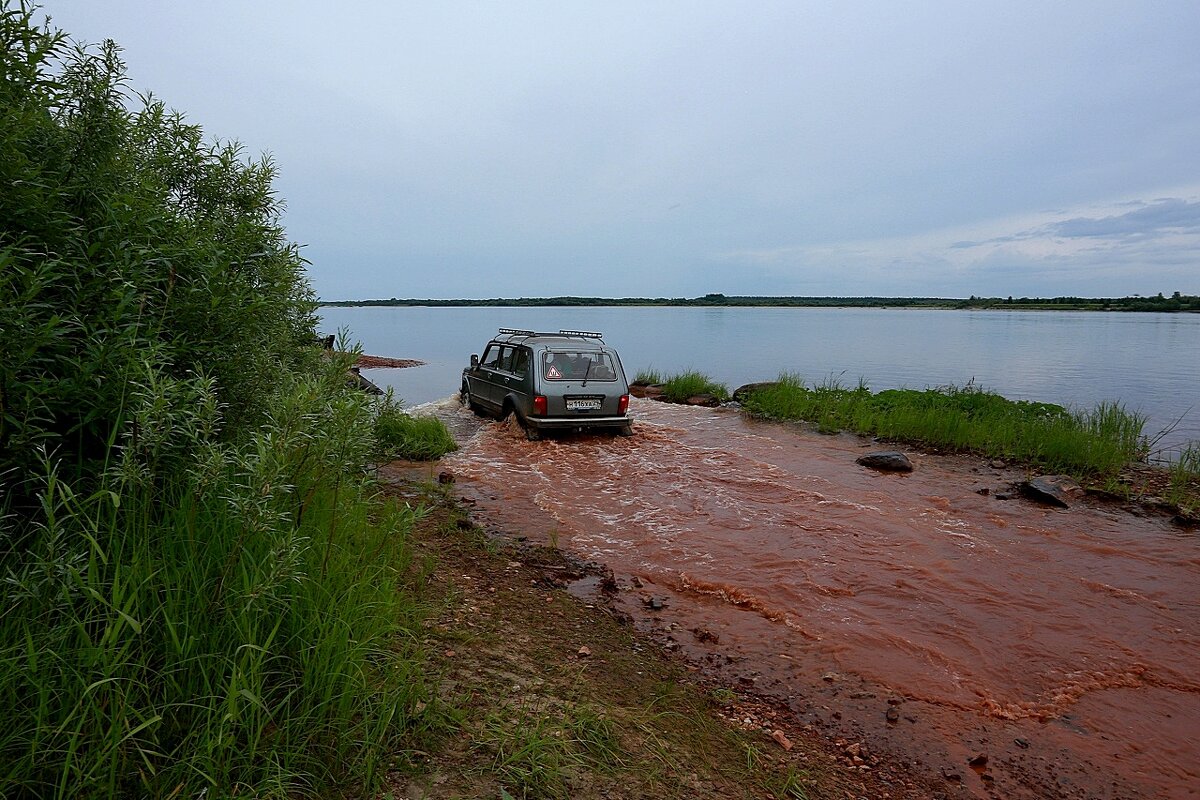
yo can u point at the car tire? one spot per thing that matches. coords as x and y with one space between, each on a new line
625 430
532 434
467 400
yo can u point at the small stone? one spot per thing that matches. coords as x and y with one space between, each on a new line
585 651
998 464
1051 490
445 476
885 461
979 760
893 714
781 740
1021 743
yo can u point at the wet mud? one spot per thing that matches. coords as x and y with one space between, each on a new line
1017 651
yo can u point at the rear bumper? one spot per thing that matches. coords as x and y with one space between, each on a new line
571 423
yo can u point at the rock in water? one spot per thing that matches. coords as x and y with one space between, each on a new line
740 393
886 461
1052 490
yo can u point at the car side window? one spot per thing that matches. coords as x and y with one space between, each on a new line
506 360
491 356
520 362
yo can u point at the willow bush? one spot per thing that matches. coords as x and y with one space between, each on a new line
198 596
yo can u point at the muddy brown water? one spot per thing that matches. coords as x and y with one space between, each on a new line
1062 646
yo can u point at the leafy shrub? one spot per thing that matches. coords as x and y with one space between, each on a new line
128 248
198 597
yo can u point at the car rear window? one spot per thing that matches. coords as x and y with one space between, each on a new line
572 365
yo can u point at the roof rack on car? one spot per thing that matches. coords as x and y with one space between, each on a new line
584 334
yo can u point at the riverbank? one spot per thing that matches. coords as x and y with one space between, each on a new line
551 694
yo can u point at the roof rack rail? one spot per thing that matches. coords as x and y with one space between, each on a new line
582 334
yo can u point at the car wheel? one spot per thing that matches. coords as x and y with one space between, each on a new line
467 400
625 430
532 434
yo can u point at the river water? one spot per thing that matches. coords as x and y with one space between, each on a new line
1060 645
1149 362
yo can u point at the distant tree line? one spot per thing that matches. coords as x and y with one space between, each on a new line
1176 302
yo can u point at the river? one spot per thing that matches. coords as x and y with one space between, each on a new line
1148 362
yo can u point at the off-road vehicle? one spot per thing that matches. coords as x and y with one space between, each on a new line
569 380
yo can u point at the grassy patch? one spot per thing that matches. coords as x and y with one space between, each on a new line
1093 442
1183 487
678 388
649 376
400 435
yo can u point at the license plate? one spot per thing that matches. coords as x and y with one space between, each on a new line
583 405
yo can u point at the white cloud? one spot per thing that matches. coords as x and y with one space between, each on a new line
1122 247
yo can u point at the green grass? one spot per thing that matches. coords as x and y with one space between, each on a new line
535 751
235 629
400 435
1183 489
678 388
648 376
1091 442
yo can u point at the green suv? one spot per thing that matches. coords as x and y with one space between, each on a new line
569 380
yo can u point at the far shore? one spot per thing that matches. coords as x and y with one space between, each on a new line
1174 303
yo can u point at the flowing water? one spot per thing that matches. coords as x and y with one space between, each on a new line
1061 645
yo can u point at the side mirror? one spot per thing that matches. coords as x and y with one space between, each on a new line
474 361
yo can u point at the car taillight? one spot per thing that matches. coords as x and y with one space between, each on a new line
623 404
540 408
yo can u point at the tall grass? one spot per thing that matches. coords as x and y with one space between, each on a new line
1183 488
1097 441
400 435
236 628
648 376
678 388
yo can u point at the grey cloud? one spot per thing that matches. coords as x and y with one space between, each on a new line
1170 215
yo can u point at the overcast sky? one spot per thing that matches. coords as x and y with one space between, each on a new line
445 149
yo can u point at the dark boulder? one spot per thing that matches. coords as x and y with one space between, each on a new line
650 390
740 393
1051 490
708 400
886 461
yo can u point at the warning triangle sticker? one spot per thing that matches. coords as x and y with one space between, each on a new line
553 373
